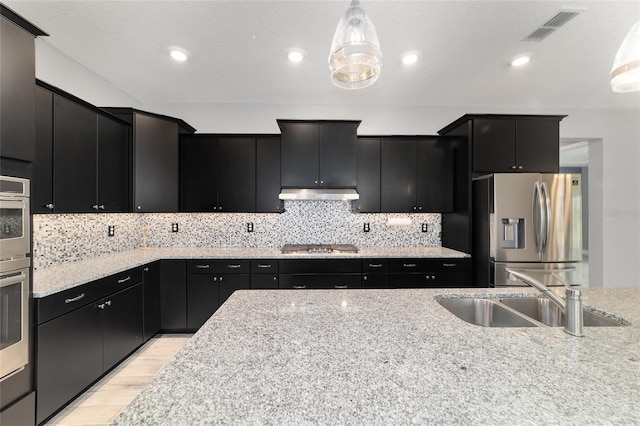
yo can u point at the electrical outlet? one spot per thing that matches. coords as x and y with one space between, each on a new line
174 227
111 231
249 226
366 227
424 227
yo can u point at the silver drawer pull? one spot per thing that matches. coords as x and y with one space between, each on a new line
449 264
264 265
124 280
340 286
375 265
299 286
74 299
202 266
408 265
234 266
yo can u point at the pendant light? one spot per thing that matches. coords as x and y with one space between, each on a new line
355 57
625 73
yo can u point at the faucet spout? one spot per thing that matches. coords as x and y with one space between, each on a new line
570 305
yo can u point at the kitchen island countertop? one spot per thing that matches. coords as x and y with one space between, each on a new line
394 357
48 281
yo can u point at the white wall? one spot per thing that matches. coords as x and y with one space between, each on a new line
614 221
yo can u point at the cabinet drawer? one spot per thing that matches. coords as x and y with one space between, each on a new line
430 265
375 265
266 266
325 281
431 280
320 266
217 266
57 304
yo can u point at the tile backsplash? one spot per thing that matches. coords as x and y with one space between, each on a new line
71 237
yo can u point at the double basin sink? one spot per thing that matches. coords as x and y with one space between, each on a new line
518 312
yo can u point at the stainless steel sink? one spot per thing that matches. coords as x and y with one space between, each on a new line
545 311
485 312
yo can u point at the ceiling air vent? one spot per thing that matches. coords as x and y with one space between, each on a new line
551 25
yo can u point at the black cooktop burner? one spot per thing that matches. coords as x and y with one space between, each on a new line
319 248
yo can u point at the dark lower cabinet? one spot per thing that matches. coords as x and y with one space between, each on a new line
431 280
375 273
264 274
430 273
202 298
173 295
230 283
69 358
121 324
151 297
320 274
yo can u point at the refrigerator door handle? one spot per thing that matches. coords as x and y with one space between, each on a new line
538 216
547 218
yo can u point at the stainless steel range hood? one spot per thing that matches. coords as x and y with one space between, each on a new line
318 194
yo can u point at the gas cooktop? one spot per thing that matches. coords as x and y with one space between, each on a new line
319 248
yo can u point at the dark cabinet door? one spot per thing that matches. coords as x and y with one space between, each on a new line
537 148
173 294
338 154
300 154
398 175
264 281
113 165
17 104
151 296
69 358
42 183
202 298
236 175
198 174
368 175
122 317
375 280
435 177
74 156
494 145
156 164
268 175
229 283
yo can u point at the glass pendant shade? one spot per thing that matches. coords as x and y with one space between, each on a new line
625 74
355 57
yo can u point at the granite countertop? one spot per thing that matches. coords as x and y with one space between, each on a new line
48 281
393 357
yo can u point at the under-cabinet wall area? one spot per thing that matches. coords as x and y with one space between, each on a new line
71 237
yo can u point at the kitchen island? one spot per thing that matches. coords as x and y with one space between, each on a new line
394 357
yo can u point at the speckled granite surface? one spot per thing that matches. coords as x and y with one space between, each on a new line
51 280
393 357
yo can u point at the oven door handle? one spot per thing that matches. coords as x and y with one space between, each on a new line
12 279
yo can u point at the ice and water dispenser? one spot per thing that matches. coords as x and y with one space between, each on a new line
512 233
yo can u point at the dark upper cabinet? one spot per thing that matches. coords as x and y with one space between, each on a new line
82 157
268 175
217 174
155 159
368 175
417 175
17 103
318 153
510 143
74 156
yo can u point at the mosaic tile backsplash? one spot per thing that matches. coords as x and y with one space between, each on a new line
71 237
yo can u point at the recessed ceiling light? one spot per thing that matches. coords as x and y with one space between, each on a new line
295 55
520 60
410 58
178 54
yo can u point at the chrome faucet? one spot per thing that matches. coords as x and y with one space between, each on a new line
570 305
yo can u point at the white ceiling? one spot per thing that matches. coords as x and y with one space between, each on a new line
238 50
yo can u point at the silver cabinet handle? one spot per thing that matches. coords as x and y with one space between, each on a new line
202 266
234 266
101 206
220 279
145 269
124 280
101 306
513 167
299 286
408 265
449 265
95 207
375 265
520 167
74 299
49 206
108 303
275 278
365 278
220 208
264 265
340 286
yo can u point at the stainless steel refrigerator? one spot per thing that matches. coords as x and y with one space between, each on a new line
531 222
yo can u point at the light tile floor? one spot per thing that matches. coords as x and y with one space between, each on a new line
101 404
